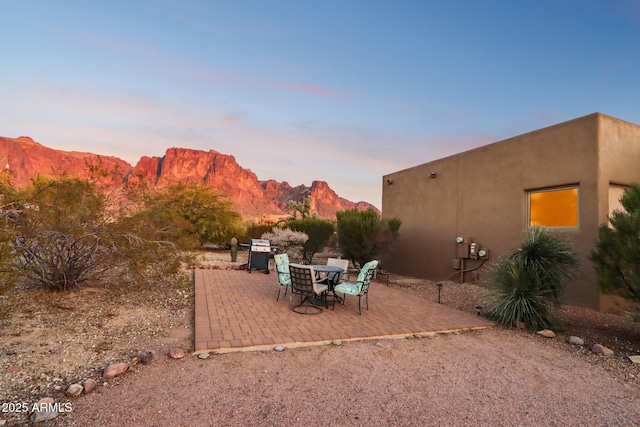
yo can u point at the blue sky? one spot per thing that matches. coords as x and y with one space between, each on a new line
339 91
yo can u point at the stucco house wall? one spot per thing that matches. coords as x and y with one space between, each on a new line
482 193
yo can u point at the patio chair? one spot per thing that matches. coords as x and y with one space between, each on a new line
305 284
361 287
284 277
343 264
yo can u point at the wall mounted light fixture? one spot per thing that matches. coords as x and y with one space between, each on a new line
432 175
389 182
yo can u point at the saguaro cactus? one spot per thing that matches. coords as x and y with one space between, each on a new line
234 249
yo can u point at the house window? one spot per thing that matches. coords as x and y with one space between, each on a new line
556 207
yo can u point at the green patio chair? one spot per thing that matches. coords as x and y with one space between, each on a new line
284 277
361 287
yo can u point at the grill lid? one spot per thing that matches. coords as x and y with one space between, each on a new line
260 242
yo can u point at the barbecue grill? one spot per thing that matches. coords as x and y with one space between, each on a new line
259 253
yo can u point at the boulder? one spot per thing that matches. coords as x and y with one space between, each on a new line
89 385
176 353
546 333
146 356
75 390
45 410
575 340
114 370
600 349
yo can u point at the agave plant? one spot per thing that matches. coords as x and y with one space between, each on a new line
530 278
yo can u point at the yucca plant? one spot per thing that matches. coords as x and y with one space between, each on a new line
530 278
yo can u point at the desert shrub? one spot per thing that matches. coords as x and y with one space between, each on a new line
617 254
10 210
364 235
319 232
188 215
287 241
255 231
530 278
62 234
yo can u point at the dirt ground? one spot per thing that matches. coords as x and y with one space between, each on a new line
492 377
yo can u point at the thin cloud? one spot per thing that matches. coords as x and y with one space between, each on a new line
248 81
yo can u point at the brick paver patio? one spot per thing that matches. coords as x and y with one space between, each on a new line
236 310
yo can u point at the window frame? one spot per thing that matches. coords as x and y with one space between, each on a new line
528 194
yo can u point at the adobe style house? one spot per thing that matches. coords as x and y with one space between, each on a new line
569 176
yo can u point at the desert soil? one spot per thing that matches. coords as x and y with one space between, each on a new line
487 377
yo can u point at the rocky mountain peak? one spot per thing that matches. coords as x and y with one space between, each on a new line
252 198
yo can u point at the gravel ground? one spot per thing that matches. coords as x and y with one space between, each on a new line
487 377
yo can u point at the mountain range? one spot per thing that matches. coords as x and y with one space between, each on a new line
252 198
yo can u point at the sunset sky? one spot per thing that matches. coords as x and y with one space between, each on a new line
339 91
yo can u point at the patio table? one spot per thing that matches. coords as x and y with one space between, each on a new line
332 273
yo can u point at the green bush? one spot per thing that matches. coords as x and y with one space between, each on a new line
61 235
617 254
319 232
364 235
188 215
255 231
530 278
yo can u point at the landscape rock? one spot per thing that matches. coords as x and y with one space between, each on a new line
49 411
575 340
203 356
600 349
146 356
12 369
89 385
176 353
279 348
634 359
547 333
114 370
75 390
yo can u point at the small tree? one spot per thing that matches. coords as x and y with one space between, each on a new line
617 254
188 215
530 278
319 232
364 235
303 207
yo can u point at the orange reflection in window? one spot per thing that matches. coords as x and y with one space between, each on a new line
556 208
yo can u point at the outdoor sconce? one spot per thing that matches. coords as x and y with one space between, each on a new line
389 182
432 175
459 239
439 285
478 310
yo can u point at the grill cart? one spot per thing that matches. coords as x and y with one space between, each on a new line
259 253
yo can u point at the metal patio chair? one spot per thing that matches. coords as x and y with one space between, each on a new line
361 287
343 264
284 277
305 284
